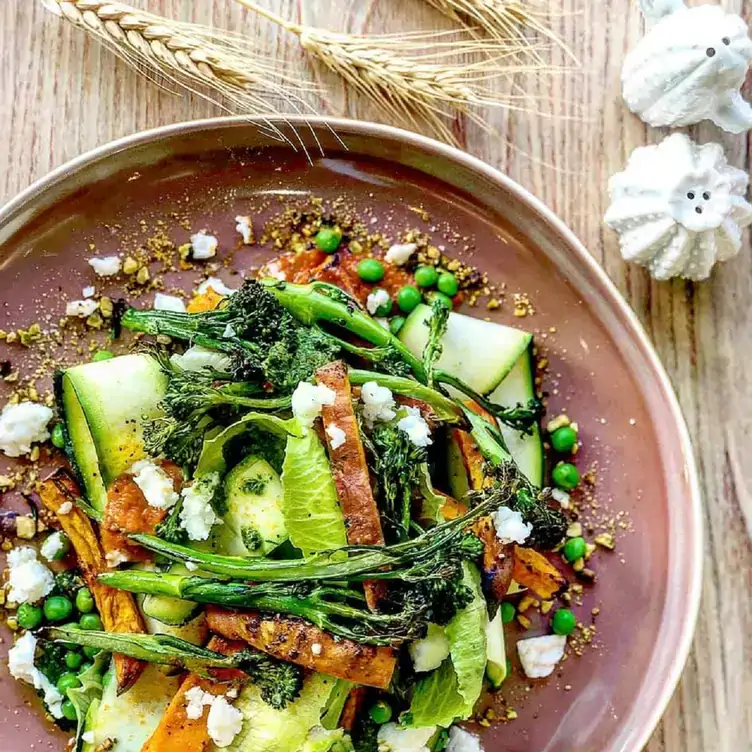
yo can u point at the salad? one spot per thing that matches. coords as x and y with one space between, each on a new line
297 515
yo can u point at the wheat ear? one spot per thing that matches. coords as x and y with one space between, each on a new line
421 80
221 67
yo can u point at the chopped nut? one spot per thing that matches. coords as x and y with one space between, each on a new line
34 454
130 265
511 714
26 527
589 550
493 304
12 623
6 545
575 587
184 251
605 540
11 337
546 606
524 621
164 339
527 602
560 421
595 611
142 277
578 565
356 247
574 530
106 307
31 335
587 574
6 482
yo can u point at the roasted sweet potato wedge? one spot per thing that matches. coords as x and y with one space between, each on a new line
204 301
497 559
350 469
534 571
353 707
117 608
299 642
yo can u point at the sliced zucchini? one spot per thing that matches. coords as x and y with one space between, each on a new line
170 612
496 667
130 719
478 352
457 474
254 523
519 388
103 405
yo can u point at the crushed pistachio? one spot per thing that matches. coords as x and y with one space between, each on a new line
106 307
26 527
142 277
130 265
574 530
578 565
560 421
605 540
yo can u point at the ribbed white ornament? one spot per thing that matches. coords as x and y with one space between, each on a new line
679 208
689 67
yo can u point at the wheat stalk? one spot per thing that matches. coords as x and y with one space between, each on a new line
417 78
221 67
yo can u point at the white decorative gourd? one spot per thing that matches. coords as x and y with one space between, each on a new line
679 208
689 67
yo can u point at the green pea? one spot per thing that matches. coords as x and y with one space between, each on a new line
58 436
102 355
73 660
58 608
426 276
408 298
28 616
396 324
574 549
563 439
445 300
385 308
90 621
91 652
565 475
328 239
508 612
84 601
564 622
380 712
371 270
69 711
67 681
448 284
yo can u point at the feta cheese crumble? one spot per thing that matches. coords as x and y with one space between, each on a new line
317 648
52 547
195 702
245 229
164 302
197 517
224 722
197 358
510 527
203 246
462 741
562 497
400 253
108 266
89 292
216 284
395 738
539 655
307 401
377 299
415 426
65 508
155 484
82 309
21 425
29 579
429 653
21 666
115 558
378 403
336 436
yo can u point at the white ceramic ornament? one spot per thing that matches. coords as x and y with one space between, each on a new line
689 67
679 208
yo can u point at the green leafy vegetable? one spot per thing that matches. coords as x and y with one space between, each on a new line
90 691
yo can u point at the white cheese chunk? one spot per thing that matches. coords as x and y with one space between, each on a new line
429 653
21 425
377 299
155 484
82 309
197 517
29 579
539 655
197 358
395 738
400 253
378 403
216 284
203 246
195 702
108 266
562 497
510 527
164 302
65 508
415 426
89 292
462 741
21 666
52 547
308 399
245 228
115 558
336 436
224 722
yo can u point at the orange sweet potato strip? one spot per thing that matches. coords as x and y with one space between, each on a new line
176 731
350 470
534 571
353 707
299 642
116 607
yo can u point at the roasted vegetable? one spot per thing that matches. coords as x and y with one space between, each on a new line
533 570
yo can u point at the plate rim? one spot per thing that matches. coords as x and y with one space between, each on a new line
695 547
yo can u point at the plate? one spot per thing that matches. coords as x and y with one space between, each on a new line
602 369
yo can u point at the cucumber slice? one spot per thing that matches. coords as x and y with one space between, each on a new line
254 523
496 667
103 405
130 719
171 612
518 388
476 351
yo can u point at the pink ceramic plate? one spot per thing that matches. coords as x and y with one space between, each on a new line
602 368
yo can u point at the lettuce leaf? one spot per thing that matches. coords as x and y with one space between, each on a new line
324 740
310 503
450 692
89 692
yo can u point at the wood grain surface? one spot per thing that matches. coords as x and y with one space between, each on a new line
61 94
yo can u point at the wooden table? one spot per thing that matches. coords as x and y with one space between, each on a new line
61 94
